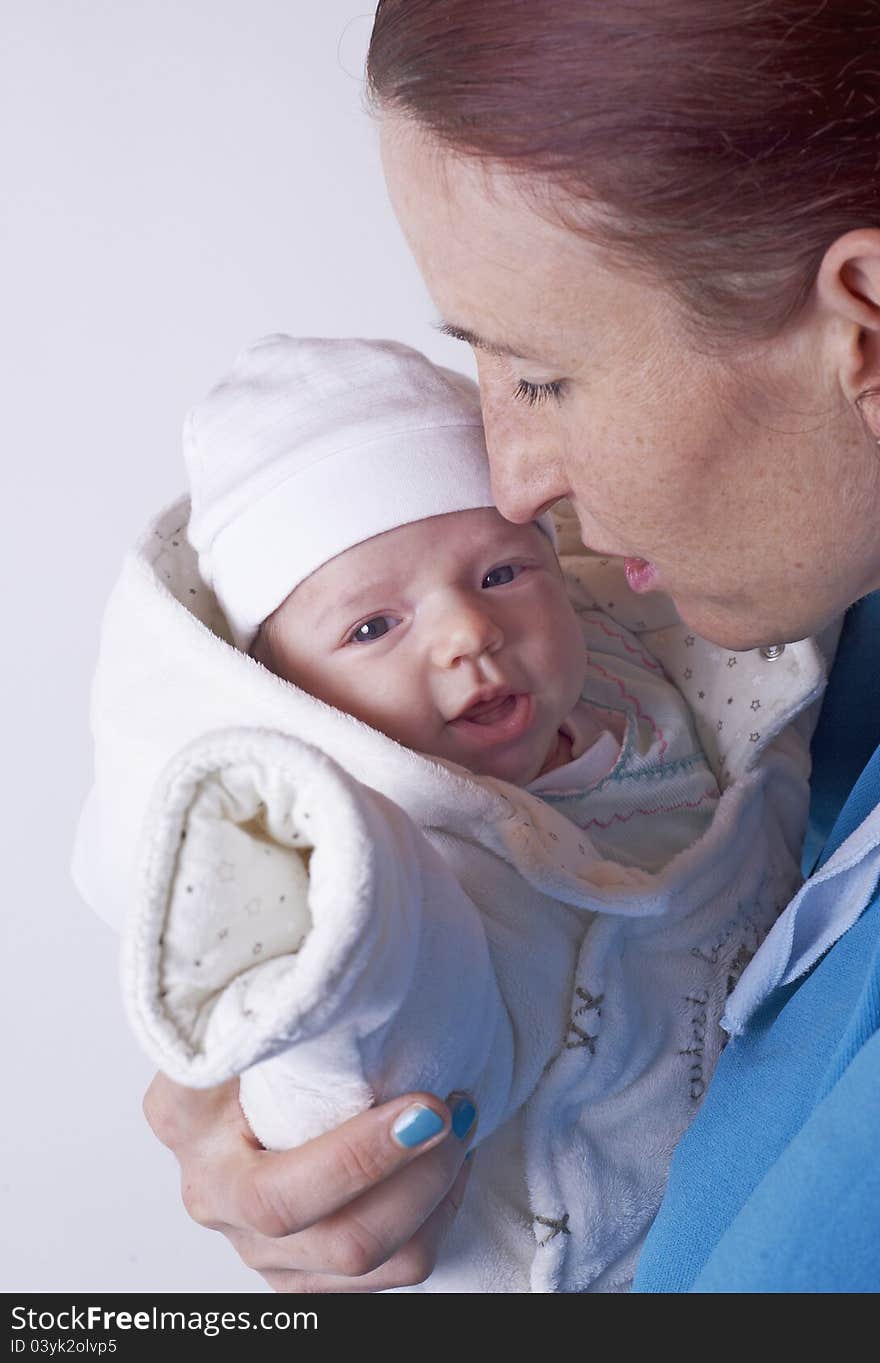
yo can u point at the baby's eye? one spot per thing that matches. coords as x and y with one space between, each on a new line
499 577
372 629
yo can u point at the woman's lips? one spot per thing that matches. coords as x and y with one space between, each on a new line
641 575
496 721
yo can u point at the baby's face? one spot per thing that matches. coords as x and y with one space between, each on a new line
452 635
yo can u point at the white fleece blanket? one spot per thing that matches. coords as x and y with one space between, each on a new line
339 919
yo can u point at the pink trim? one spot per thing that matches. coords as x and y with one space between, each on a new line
639 711
662 809
616 634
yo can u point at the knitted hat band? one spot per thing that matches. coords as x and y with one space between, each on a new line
310 447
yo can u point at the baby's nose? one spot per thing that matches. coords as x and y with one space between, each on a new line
463 631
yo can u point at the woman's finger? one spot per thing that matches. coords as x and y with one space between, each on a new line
281 1193
230 1181
372 1229
409 1265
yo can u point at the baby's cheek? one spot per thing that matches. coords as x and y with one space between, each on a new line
403 729
389 705
570 657
565 635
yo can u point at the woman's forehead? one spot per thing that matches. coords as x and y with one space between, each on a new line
496 266
461 203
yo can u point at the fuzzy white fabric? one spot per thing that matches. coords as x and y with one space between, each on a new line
340 920
298 421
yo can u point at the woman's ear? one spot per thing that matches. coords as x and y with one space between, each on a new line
848 287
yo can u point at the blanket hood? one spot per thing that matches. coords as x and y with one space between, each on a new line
168 674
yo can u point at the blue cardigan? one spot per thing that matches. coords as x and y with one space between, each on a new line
776 1186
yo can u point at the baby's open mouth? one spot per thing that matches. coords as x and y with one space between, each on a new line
499 720
488 711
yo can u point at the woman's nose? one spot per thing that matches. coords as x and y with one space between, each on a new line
462 632
528 476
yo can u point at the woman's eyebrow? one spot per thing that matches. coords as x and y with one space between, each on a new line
480 343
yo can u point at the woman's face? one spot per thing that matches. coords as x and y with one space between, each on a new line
744 482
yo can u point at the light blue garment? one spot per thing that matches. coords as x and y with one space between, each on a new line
776 1186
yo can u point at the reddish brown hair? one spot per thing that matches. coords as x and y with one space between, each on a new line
727 143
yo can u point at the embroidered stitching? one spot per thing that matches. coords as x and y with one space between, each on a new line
661 809
591 1001
711 957
591 1004
557 1227
597 667
637 652
699 1020
748 924
647 773
737 966
584 1039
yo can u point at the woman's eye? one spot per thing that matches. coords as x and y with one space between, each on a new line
372 629
499 577
536 393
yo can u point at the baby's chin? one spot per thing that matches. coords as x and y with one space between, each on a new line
518 767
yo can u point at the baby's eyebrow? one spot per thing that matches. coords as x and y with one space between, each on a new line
351 600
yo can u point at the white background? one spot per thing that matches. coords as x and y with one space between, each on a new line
178 178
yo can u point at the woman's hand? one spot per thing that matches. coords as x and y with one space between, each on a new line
354 1210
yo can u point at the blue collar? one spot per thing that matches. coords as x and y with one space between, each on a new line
845 796
845 785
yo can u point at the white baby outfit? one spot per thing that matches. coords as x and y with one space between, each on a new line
344 920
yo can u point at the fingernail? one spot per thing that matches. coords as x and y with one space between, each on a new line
463 1115
415 1125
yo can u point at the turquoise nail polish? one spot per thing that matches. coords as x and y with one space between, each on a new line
463 1116
416 1125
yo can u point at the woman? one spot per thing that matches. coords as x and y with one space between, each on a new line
658 225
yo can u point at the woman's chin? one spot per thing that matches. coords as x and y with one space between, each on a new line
740 628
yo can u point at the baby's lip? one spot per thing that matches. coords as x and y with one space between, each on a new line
483 697
503 718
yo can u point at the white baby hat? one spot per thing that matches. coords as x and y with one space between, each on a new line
310 446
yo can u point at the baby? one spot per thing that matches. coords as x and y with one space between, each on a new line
440 819
417 608
454 635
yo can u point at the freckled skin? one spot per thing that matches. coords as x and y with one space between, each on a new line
451 635
746 476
